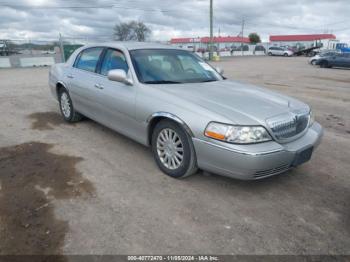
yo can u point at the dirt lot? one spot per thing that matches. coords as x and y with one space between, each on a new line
83 189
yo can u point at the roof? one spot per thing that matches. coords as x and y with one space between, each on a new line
132 45
279 38
205 40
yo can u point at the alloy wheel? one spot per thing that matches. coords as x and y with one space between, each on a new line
170 148
65 105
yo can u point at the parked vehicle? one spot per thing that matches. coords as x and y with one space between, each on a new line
335 60
4 51
185 110
320 55
48 52
279 51
343 47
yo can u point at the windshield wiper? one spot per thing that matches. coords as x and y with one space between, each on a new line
162 82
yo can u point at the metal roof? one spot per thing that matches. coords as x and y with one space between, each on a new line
313 37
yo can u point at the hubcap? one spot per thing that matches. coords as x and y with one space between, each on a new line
170 148
65 105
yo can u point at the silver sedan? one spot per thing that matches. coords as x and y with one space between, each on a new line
185 110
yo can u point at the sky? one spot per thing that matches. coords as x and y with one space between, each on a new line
45 19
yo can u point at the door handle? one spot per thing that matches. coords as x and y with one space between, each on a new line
98 86
70 76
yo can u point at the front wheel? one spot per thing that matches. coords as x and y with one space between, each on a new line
66 107
173 150
269 53
285 54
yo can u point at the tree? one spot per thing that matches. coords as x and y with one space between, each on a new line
131 31
142 31
254 38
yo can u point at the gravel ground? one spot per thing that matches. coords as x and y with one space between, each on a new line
84 189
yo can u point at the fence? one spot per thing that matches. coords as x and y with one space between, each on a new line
39 53
27 53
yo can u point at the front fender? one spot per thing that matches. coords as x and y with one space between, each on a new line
170 116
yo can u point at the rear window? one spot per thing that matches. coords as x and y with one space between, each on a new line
88 59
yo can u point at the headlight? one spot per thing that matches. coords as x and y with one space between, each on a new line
237 134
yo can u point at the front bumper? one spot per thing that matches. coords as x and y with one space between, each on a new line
254 161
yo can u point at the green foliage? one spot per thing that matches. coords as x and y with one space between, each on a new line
254 38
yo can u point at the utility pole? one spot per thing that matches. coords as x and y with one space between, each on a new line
211 31
63 59
242 36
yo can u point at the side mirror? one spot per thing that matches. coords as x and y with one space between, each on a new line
119 75
219 70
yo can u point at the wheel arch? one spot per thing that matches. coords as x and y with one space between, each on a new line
155 118
60 85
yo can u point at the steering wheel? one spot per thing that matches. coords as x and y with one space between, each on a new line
190 70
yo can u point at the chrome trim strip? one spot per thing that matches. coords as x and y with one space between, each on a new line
172 117
239 151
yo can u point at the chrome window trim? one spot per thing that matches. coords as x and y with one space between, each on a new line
172 117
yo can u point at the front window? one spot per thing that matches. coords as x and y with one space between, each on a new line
162 66
114 59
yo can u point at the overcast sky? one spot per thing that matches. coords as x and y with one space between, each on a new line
173 18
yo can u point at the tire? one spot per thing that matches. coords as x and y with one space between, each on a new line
269 53
324 64
180 149
313 62
285 54
66 107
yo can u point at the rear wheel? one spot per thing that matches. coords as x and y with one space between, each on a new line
173 150
269 53
313 62
66 107
285 54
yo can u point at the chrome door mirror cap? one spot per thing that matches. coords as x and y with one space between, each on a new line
119 75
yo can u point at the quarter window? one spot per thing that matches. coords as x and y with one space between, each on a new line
88 59
114 59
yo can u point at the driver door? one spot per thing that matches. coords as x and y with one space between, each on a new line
116 100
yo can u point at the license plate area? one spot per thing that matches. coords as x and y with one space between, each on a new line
303 156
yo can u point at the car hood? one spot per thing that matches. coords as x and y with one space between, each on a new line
238 102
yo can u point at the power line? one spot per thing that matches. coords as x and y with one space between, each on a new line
89 7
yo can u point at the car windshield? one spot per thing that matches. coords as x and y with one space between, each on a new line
171 66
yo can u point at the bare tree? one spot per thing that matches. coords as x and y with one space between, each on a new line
141 31
131 31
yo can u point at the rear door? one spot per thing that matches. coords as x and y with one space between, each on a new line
280 51
82 81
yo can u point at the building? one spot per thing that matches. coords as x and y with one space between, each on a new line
328 41
201 43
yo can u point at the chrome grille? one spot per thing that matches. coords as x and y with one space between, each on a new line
271 172
288 125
